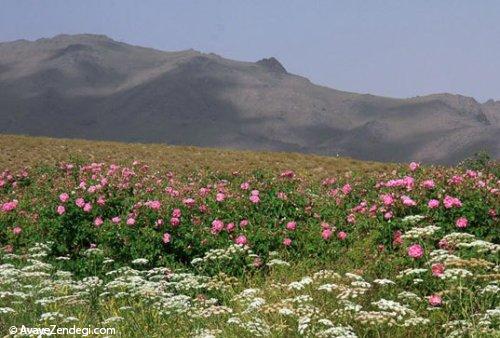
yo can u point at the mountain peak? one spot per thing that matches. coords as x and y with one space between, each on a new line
60 40
78 37
89 82
272 64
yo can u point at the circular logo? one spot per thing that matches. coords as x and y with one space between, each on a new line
13 330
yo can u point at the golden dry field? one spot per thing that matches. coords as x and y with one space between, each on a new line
23 151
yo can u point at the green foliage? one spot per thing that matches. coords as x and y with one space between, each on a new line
202 264
482 161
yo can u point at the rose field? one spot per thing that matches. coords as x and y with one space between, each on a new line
403 251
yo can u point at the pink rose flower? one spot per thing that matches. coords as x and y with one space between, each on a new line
60 210
203 192
255 199
241 240
9 206
101 201
471 173
387 199
87 207
220 197
217 226
287 242
415 251
443 244
437 269
154 205
346 189
176 213
455 180
80 202
287 174
341 235
462 222
414 166
435 300
433 204
166 238
64 197
189 202
397 238
451 202
98 222
291 226
326 233
325 225
428 184
409 182
407 201
230 227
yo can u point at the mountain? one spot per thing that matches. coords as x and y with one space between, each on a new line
92 87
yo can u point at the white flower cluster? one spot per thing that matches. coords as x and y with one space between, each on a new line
455 274
337 332
300 284
412 219
326 274
6 310
140 261
416 233
93 252
319 305
226 254
206 333
376 318
277 262
456 238
490 288
409 296
442 256
411 272
389 305
481 246
416 321
255 326
383 282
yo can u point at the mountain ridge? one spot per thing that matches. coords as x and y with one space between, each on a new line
91 86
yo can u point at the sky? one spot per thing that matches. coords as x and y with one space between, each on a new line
392 48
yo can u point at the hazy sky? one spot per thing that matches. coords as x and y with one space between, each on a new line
392 48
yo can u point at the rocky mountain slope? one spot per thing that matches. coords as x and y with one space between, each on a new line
90 86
